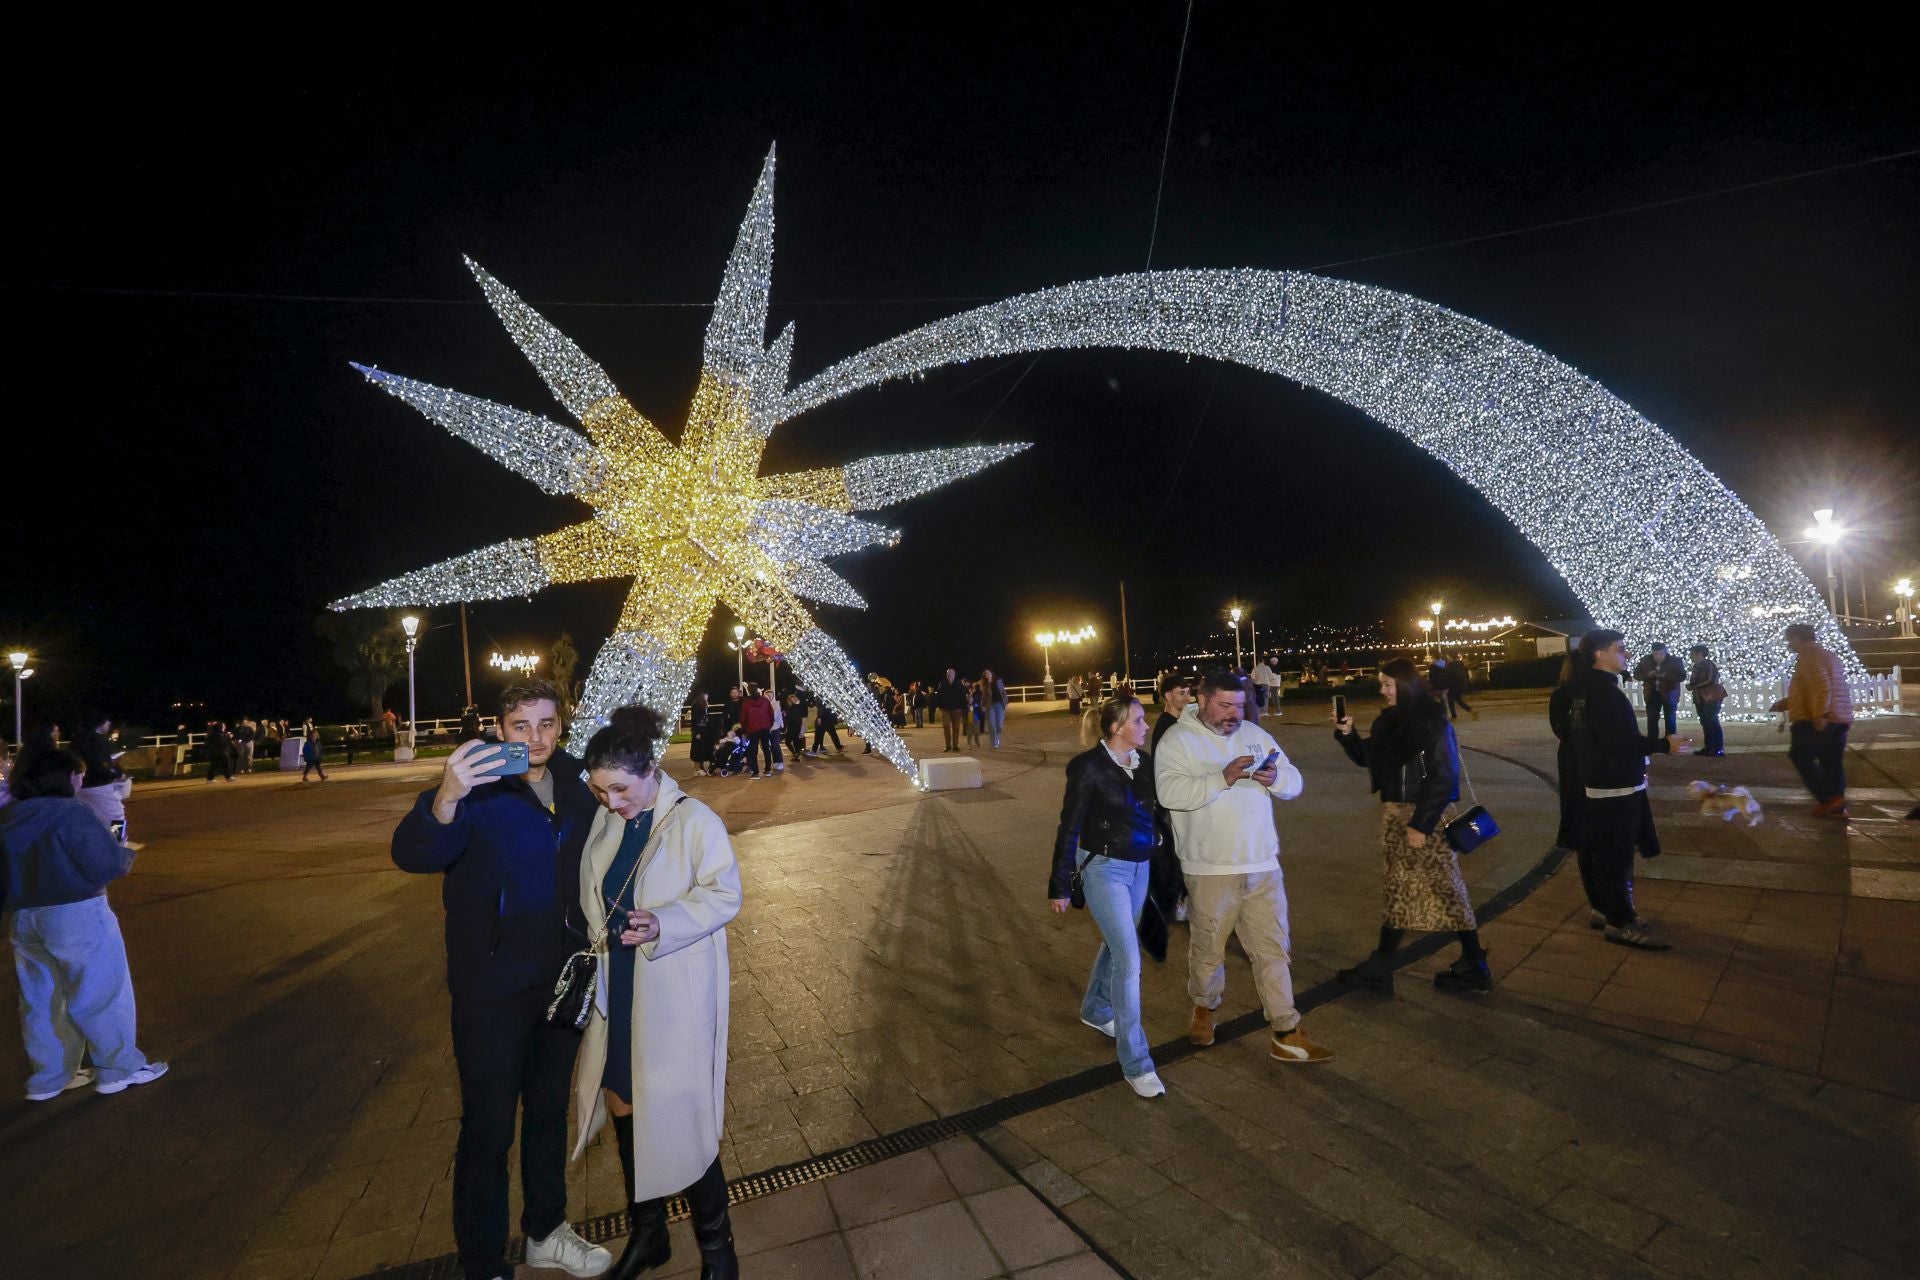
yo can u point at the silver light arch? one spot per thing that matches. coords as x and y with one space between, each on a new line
1651 542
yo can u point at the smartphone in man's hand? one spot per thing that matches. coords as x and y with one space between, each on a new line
501 759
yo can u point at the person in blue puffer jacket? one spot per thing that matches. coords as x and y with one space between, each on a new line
76 992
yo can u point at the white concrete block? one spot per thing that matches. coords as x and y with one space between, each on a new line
949 773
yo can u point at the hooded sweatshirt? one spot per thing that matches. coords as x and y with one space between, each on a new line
53 851
1221 830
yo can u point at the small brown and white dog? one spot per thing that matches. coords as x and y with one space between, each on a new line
1728 802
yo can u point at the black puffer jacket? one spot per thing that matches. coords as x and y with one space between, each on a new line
1105 813
1412 760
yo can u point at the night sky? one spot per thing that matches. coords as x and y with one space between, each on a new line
207 234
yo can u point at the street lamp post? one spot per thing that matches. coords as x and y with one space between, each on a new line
739 647
1827 533
1904 590
1426 634
403 751
1235 615
20 672
1045 640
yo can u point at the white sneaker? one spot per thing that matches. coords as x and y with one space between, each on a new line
567 1251
145 1075
81 1079
779 766
1106 1028
1148 1085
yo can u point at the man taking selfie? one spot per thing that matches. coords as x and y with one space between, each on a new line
494 828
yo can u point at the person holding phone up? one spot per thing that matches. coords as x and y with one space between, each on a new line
1414 761
493 829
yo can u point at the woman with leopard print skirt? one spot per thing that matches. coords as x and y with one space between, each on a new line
1414 760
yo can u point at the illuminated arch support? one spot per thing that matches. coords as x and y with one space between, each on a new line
1649 540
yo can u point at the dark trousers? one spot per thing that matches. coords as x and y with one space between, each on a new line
1820 755
1670 703
760 745
950 721
1456 703
509 1059
796 735
1611 828
1573 803
1713 739
821 729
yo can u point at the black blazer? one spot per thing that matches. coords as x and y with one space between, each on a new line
1415 763
1105 812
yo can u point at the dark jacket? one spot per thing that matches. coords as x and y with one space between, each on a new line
1705 674
1166 721
1105 812
53 851
1412 760
96 748
951 695
1610 747
512 886
1660 676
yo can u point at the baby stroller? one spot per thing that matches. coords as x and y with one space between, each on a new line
730 753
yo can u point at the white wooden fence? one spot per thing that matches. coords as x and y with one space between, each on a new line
1872 696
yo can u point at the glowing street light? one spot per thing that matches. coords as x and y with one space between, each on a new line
1234 613
1047 639
739 646
1904 590
21 671
403 751
1426 632
1826 532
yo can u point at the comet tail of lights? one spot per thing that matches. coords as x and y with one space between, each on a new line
1063 636
515 662
1608 497
1480 627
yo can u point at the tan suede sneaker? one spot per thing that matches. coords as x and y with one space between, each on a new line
1201 1030
1293 1046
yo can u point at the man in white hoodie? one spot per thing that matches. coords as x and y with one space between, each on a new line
1214 771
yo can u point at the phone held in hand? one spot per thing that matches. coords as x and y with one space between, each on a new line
503 759
1339 707
1261 766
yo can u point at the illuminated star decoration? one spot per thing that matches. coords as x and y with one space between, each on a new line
693 524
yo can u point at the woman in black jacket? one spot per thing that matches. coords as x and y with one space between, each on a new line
1414 760
1573 797
1106 838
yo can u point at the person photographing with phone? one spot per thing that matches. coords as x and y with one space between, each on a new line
1413 759
494 828
1218 774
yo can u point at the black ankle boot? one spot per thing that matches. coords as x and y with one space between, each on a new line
1468 973
712 1226
1375 973
648 1245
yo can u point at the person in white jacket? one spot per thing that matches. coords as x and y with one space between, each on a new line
1215 772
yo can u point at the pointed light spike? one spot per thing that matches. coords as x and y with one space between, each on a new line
557 458
499 572
576 382
880 482
811 580
737 333
819 664
770 384
789 530
633 666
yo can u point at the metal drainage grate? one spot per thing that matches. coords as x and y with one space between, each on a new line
612 1226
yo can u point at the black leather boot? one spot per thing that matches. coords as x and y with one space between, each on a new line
647 1243
1375 973
712 1227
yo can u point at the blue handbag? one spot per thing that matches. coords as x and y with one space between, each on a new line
1474 827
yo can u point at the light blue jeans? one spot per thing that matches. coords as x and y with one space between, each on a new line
997 720
1116 891
75 992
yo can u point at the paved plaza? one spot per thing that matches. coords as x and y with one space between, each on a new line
1746 1105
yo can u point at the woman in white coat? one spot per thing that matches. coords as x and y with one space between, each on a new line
658 883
